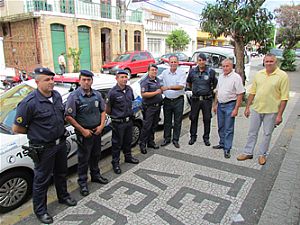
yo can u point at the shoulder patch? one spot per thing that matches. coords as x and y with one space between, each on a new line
142 89
19 119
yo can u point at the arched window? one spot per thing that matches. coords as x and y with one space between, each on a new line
137 40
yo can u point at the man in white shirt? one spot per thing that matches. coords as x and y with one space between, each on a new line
228 99
62 63
173 80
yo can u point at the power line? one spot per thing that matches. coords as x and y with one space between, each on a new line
200 3
172 12
178 7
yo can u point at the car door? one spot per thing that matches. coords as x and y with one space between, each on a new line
136 64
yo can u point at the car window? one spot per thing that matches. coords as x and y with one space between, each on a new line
144 55
137 57
122 58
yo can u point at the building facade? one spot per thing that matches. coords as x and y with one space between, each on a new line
205 39
46 28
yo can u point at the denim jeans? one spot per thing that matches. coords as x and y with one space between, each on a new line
226 124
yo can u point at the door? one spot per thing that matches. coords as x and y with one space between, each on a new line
84 45
58 41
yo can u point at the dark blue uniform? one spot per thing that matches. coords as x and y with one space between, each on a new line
86 110
151 111
203 84
44 119
120 102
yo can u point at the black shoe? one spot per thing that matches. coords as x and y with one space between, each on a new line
192 140
69 201
176 144
227 155
45 218
84 191
207 142
99 179
154 146
131 160
165 143
143 149
218 147
117 169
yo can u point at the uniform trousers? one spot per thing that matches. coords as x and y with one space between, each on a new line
150 123
226 124
205 106
173 108
53 162
88 156
256 120
121 140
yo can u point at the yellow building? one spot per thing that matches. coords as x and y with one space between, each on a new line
205 39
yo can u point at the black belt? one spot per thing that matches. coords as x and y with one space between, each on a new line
227 102
154 104
51 143
121 120
173 99
202 97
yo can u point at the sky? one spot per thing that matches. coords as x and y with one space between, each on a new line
187 11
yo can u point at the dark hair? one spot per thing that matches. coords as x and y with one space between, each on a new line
172 56
152 65
202 56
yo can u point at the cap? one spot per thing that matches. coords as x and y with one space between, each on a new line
44 71
202 56
86 73
121 72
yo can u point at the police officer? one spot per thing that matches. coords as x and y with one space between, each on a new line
202 80
40 115
151 103
119 107
85 110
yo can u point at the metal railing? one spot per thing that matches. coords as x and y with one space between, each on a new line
82 8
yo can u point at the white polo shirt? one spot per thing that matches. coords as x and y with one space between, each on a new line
229 86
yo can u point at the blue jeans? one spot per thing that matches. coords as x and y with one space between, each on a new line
226 124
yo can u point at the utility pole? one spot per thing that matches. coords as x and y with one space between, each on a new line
122 25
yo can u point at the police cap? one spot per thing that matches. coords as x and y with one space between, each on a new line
202 56
122 72
86 73
43 71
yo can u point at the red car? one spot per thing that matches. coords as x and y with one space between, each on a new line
132 62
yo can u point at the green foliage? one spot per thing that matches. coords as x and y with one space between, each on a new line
289 58
74 54
243 20
178 40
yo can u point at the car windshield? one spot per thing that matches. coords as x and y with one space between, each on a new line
122 58
8 104
276 52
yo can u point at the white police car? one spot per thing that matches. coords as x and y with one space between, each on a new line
16 168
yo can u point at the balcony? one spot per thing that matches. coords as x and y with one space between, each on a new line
82 9
160 26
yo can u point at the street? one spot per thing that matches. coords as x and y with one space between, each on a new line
194 184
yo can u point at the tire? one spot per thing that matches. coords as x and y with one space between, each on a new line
15 188
136 132
129 73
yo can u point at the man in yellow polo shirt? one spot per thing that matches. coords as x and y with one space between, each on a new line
269 94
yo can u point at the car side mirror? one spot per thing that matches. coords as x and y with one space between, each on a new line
133 60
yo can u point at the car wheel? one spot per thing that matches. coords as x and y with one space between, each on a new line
15 188
136 132
129 73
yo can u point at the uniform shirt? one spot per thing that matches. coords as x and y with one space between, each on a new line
269 90
149 85
229 87
43 119
120 102
86 110
170 79
203 83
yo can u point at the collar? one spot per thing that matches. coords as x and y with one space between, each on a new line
42 98
198 69
273 73
81 91
172 73
118 88
228 75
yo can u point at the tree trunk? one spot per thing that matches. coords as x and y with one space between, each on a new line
239 54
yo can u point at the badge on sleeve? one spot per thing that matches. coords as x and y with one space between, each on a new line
19 119
143 89
70 110
96 104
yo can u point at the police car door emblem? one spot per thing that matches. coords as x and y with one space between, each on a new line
96 104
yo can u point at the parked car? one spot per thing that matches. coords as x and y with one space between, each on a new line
132 62
137 89
16 168
215 56
181 57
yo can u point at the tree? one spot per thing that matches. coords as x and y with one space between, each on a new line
178 40
243 21
74 54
